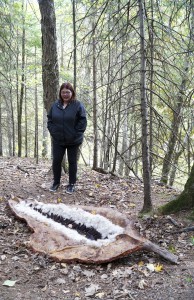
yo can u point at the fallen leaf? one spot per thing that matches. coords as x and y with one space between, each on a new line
66 291
53 268
91 290
158 268
44 288
145 273
115 273
9 282
142 284
104 276
15 258
60 281
88 273
100 295
3 257
150 267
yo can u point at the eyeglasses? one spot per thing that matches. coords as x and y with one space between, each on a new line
66 92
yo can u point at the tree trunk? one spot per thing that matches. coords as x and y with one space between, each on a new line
180 103
185 201
21 99
174 130
12 117
125 142
144 114
105 144
117 129
36 113
74 47
151 39
62 33
95 129
1 144
44 135
26 124
50 71
174 167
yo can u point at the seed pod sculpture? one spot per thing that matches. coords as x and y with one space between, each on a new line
82 233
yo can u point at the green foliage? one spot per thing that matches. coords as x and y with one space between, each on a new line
189 279
172 249
180 203
191 217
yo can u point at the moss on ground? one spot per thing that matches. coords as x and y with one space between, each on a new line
183 202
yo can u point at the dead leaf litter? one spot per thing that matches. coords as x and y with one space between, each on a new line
141 275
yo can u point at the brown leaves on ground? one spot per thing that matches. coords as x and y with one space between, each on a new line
142 275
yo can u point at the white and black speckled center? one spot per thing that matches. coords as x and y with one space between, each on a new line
74 222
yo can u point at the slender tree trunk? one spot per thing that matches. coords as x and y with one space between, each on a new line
144 114
95 129
117 131
174 167
151 38
12 122
189 141
125 141
1 140
74 46
127 131
62 33
104 162
44 135
36 154
26 125
174 130
21 99
179 103
9 135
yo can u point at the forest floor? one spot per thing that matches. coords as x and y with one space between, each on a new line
141 275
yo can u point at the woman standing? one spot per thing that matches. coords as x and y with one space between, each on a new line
66 124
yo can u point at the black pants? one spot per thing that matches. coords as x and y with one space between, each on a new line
72 154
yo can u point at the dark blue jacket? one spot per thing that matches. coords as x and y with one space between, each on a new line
67 126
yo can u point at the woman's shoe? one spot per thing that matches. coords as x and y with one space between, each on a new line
70 189
54 187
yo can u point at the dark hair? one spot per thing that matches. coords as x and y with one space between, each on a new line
68 86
